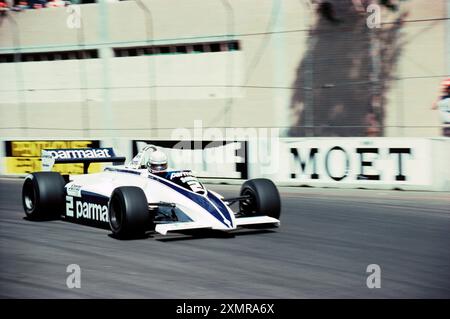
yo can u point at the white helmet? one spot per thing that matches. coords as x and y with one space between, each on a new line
157 162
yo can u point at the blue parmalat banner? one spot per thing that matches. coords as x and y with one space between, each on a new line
66 155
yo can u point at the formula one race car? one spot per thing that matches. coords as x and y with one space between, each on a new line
131 200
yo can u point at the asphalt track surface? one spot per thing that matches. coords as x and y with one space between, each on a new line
327 239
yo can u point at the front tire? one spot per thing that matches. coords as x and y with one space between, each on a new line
129 216
264 198
43 195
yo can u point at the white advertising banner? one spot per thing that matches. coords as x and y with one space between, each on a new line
339 161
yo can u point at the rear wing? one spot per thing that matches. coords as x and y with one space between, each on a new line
79 155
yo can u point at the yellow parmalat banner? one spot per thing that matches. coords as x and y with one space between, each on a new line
21 165
34 148
26 157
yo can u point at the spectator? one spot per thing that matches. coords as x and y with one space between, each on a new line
443 105
22 5
56 4
3 6
37 4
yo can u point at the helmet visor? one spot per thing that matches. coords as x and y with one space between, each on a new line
158 167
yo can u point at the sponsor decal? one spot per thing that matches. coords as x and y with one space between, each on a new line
80 209
180 174
193 184
80 153
188 180
74 190
47 162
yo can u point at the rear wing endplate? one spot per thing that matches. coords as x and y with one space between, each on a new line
79 155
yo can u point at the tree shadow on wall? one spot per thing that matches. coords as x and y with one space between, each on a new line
343 78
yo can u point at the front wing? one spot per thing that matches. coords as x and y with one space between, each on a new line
163 229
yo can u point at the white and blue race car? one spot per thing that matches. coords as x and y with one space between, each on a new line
130 201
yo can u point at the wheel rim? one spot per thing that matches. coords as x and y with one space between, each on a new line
29 197
248 206
115 214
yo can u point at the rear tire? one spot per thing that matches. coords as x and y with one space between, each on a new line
43 195
129 216
264 198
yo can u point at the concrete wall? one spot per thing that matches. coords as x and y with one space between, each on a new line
147 96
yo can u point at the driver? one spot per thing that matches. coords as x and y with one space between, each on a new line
157 162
